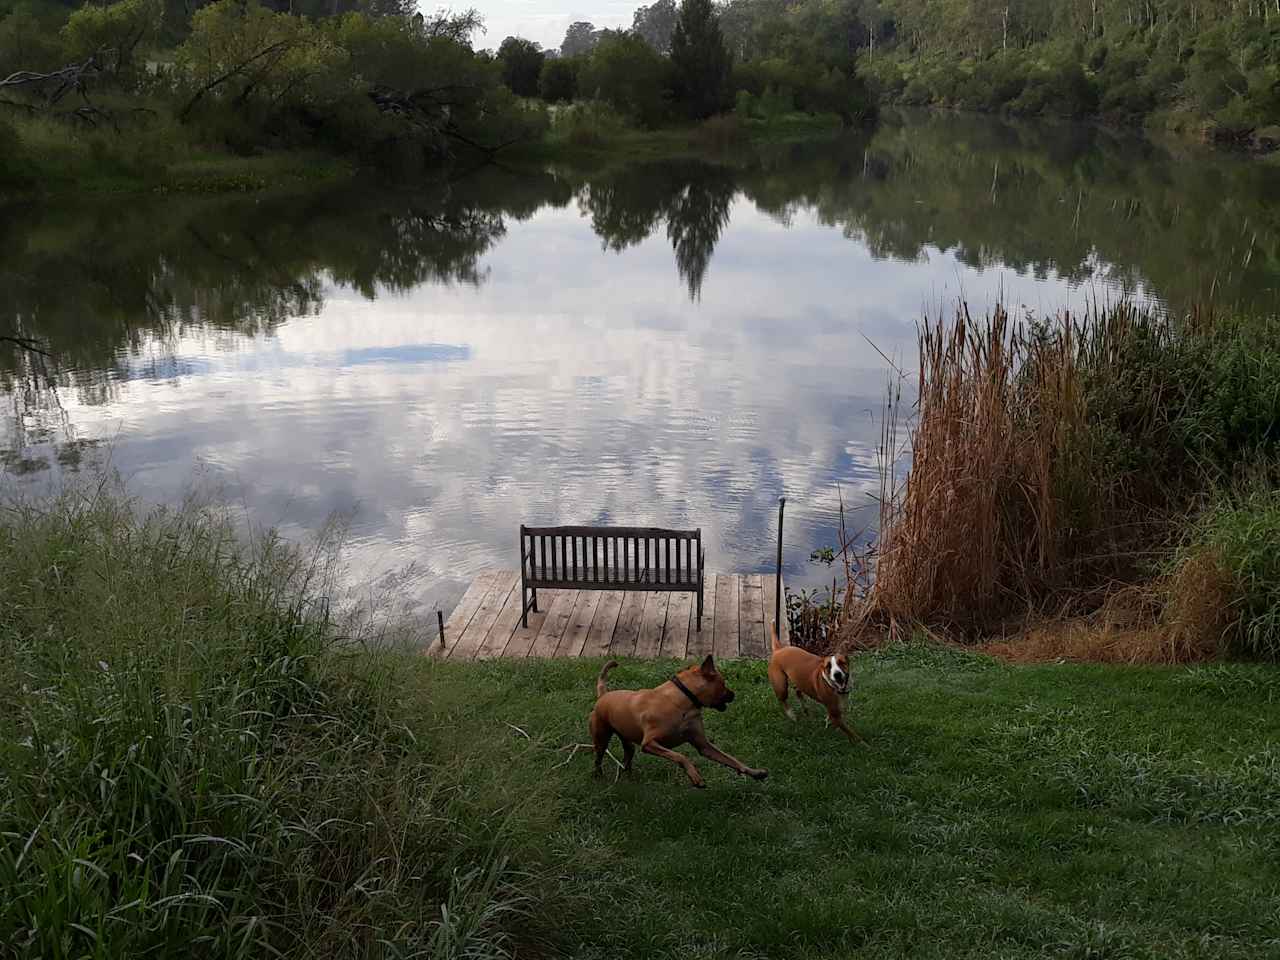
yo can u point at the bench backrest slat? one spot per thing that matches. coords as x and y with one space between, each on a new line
621 556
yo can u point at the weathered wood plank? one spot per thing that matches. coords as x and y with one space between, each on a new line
554 626
652 624
522 638
701 643
675 637
473 637
600 636
725 641
462 614
499 636
752 640
627 632
784 631
575 635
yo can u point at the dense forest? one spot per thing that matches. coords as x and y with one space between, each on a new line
1211 67
137 88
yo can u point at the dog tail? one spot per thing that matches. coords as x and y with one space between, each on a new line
773 635
601 687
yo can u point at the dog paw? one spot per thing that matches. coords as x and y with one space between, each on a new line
758 774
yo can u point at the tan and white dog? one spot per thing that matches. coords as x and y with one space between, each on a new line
824 679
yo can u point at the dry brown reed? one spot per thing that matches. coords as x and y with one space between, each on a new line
1008 512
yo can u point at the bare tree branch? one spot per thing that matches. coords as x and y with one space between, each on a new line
279 45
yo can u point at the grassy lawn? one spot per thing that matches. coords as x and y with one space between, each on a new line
1050 811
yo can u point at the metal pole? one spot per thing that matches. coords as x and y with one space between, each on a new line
440 621
778 611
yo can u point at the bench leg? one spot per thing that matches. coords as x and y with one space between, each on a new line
534 591
699 630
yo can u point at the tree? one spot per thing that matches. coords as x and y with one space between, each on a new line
114 33
580 38
244 52
630 75
702 63
655 24
521 61
559 80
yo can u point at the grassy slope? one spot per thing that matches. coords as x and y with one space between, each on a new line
1001 811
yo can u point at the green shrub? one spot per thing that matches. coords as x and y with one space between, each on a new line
588 123
1245 535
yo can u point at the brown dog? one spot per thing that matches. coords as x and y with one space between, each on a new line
664 717
825 679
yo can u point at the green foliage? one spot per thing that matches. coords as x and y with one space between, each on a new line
247 55
588 123
702 62
1243 534
190 761
558 82
521 61
631 76
782 86
118 33
29 37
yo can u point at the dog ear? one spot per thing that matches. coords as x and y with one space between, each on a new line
708 667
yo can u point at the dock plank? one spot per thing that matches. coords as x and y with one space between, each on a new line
504 581
522 638
495 642
554 626
752 640
575 635
700 643
600 636
627 632
652 624
463 613
675 637
737 609
725 641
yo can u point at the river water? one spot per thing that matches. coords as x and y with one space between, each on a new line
676 343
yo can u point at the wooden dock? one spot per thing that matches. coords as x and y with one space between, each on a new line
737 608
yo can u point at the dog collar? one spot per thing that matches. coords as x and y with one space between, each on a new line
687 692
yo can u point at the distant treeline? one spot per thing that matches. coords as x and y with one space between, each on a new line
131 87
1211 66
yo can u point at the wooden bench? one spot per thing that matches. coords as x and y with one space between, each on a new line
609 558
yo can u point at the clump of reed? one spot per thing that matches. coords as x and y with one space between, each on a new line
195 759
1056 464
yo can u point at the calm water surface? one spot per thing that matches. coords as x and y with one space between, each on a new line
676 343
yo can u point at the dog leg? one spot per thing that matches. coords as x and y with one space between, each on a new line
658 750
712 752
838 722
601 734
778 680
628 753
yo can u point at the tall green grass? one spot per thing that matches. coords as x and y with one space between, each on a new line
195 759
1243 535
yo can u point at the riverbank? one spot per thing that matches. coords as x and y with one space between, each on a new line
196 753
101 165
1101 481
